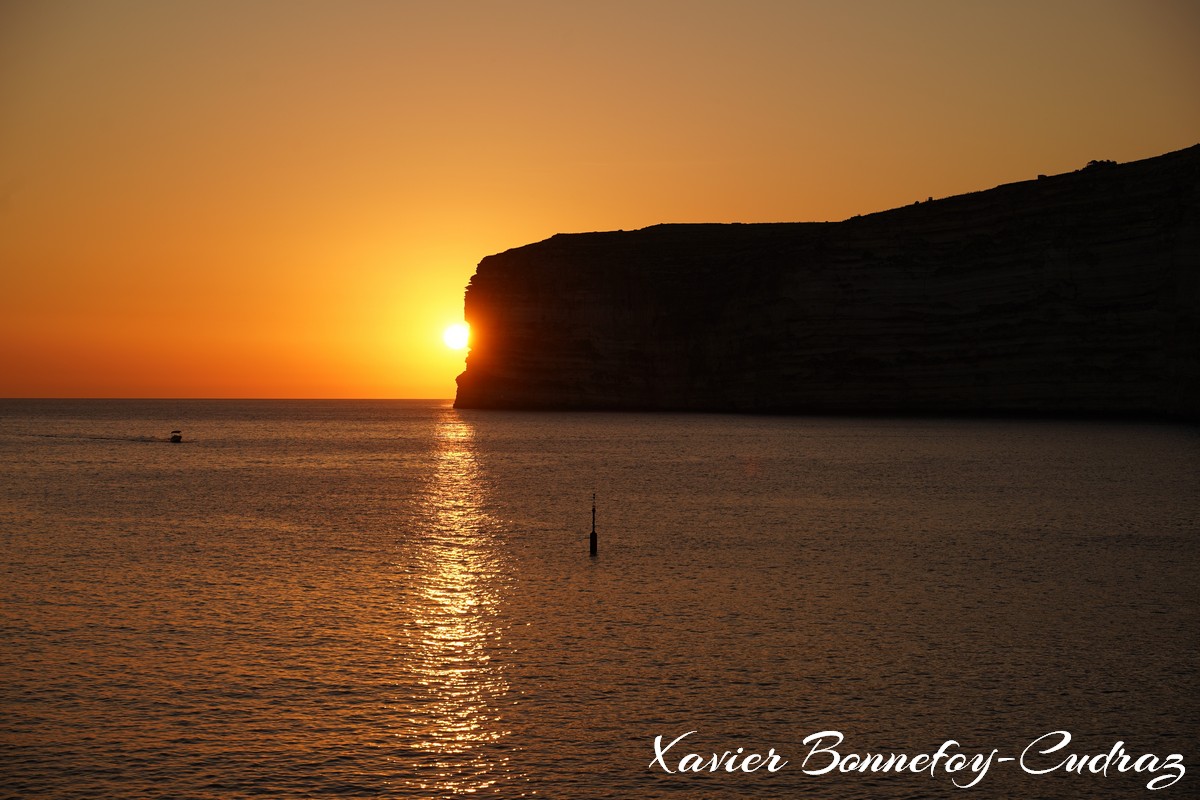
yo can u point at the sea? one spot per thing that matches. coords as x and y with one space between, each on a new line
368 599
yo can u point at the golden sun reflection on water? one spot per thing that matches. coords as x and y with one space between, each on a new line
459 686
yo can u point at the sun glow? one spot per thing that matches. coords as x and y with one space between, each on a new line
457 335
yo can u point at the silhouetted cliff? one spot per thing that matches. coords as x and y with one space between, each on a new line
1075 293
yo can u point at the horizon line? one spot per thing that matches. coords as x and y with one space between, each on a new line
257 399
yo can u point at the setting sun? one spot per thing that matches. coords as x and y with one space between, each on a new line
457 335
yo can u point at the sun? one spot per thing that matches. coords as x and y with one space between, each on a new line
457 336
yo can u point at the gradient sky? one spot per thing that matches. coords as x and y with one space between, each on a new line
286 199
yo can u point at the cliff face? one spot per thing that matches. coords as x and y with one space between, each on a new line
1075 293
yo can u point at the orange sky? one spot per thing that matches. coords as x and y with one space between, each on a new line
286 199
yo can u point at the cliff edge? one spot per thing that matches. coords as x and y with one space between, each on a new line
1069 294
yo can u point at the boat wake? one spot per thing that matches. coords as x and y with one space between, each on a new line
80 436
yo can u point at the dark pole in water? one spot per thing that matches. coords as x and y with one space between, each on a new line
593 523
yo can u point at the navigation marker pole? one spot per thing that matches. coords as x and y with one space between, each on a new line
593 540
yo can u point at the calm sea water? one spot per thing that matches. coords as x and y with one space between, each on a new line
395 599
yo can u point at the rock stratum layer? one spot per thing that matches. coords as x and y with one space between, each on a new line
1069 294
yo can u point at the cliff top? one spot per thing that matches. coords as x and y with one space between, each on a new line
1096 175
